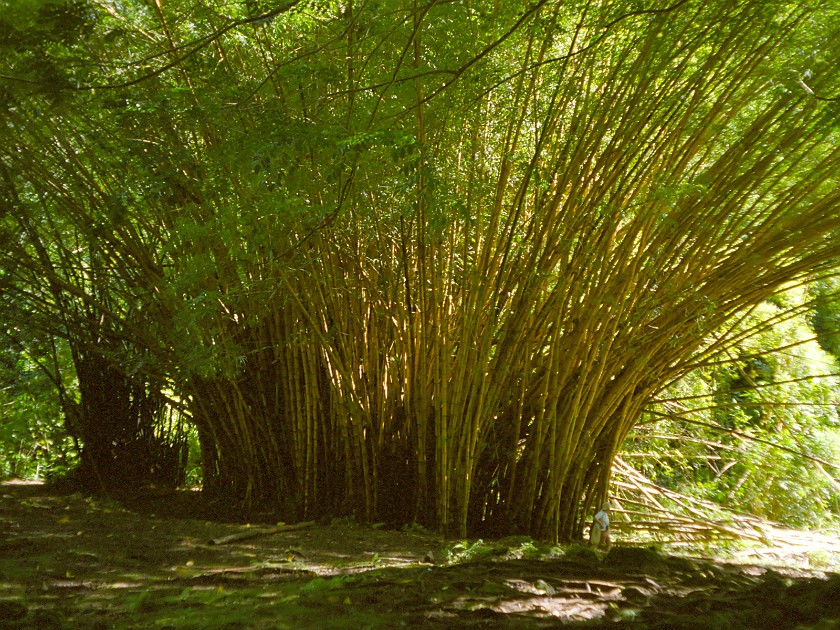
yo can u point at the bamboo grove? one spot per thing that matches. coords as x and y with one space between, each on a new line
415 260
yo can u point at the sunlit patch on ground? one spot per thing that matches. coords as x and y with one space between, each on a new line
71 561
563 608
21 482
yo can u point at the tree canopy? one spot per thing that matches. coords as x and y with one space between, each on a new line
404 259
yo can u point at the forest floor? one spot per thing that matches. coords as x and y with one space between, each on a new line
69 561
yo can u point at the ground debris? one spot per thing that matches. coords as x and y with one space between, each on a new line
98 568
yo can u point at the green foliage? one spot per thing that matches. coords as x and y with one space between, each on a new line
34 443
511 547
192 471
37 38
470 551
826 316
440 252
740 432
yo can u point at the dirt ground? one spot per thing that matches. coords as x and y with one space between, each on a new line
69 561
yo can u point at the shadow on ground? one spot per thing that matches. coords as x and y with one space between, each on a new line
68 561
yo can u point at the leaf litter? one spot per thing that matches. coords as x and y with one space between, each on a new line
68 561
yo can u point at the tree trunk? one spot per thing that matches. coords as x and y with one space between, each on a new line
121 424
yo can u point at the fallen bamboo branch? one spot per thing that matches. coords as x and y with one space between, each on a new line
692 523
253 533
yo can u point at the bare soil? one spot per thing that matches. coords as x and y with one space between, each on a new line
70 561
